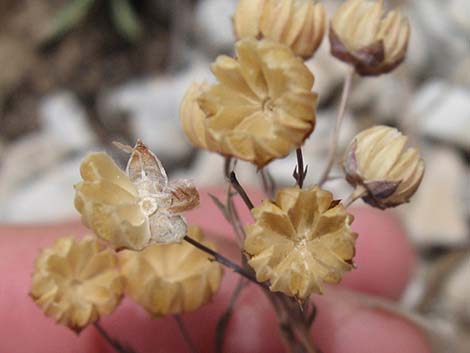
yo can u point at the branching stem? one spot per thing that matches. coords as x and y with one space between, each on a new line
117 346
300 173
237 186
224 319
339 121
268 182
224 261
359 192
185 334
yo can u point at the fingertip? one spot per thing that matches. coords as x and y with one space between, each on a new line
253 327
384 256
344 326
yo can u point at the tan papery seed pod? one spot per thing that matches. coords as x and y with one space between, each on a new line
192 117
384 169
171 278
133 209
363 35
299 241
299 24
76 282
260 110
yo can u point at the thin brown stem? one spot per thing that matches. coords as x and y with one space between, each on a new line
224 319
268 183
292 324
339 121
358 193
229 166
237 186
185 334
223 260
300 173
233 217
117 346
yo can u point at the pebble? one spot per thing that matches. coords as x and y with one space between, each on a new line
373 95
442 111
47 198
436 214
456 294
26 159
153 106
65 121
329 72
213 25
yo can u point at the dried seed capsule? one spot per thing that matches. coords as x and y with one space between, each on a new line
170 278
192 117
76 282
364 36
379 160
262 107
299 241
133 209
299 24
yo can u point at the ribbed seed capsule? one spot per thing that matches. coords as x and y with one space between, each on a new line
299 241
299 24
380 161
77 282
261 108
363 35
170 278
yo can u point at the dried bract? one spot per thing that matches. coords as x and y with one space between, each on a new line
364 36
299 24
300 240
76 282
379 160
135 208
261 108
171 278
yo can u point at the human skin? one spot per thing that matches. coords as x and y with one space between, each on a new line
344 324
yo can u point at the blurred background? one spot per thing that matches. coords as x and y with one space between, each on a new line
76 75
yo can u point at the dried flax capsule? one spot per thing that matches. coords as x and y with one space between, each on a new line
76 282
363 35
170 278
380 161
135 208
261 108
299 241
299 24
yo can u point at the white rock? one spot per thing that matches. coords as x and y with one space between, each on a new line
461 72
3 148
441 22
213 22
418 56
65 121
442 111
436 214
374 95
207 170
329 72
460 12
27 158
153 106
48 198
456 294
